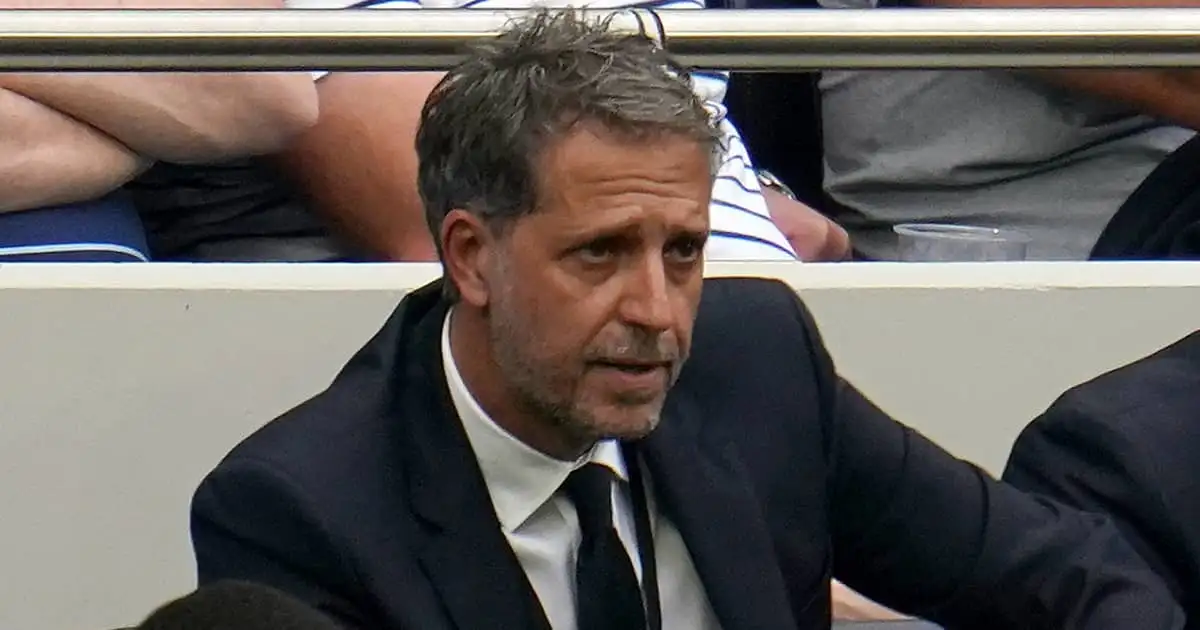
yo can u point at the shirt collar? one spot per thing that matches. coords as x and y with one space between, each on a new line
519 478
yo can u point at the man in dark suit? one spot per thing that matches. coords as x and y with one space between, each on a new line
505 453
1124 444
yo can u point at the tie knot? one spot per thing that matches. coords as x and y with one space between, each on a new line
590 490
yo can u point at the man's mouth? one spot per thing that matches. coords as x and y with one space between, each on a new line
634 367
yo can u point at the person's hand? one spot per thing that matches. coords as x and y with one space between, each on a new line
814 236
850 606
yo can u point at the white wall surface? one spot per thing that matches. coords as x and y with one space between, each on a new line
121 386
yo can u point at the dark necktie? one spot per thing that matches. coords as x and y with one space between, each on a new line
607 593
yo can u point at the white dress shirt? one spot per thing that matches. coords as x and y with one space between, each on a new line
540 522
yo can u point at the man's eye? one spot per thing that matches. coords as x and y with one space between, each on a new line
686 250
598 251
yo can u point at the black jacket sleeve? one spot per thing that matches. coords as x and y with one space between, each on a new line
250 522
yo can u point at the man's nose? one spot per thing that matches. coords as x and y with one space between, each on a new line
647 299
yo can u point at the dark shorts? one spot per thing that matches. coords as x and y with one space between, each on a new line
104 230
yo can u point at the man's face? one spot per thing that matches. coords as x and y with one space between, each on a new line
593 296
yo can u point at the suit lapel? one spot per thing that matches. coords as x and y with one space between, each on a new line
707 494
462 548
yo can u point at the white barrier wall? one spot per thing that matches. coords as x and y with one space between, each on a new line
121 386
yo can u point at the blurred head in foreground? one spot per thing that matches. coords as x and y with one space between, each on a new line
232 605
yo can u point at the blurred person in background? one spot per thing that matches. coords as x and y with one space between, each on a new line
1052 153
346 191
71 140
357 166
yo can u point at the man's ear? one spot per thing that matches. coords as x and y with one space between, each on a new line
467 251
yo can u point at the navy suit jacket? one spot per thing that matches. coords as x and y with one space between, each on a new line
367 502
1125 444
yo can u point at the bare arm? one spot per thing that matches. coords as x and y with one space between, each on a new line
358 165
177 117
48 158
815 237
1171 94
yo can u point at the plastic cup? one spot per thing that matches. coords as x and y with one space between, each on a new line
935 242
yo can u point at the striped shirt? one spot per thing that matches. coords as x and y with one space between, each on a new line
741 227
